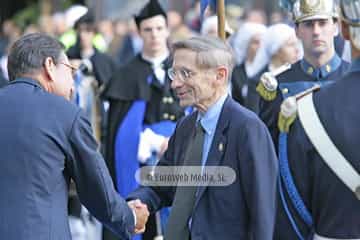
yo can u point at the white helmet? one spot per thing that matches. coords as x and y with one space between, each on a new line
314 9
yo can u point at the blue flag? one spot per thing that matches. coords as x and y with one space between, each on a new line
203 6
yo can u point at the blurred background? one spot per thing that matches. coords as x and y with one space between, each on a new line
27 11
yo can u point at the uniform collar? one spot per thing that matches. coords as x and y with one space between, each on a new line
156 61
210 118
29 81
355 65
324 70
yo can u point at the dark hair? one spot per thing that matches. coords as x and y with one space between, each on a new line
28 54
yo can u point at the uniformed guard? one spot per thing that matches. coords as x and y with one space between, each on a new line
316 26
318 155
143 108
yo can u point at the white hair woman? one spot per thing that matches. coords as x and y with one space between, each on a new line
245 43
278 47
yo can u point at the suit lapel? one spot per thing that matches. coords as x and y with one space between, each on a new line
218 144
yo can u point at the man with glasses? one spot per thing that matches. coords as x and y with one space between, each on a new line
219 134
322 150
45 142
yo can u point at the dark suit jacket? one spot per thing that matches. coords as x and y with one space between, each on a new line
45 141
243 210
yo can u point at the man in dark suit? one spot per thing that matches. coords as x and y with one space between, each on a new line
46 141
220 133
323 155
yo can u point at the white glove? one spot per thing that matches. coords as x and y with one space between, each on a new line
149 142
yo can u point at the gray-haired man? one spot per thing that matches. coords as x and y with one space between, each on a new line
220 133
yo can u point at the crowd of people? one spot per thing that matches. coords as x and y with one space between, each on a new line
86 103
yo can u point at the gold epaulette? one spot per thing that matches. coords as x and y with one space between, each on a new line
288 109
267 86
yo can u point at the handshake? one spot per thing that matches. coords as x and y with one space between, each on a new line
142 214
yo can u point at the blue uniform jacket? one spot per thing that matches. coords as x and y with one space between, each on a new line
301 74
46 141
244 210
334 208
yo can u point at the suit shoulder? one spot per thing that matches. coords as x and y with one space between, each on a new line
60 104
242 116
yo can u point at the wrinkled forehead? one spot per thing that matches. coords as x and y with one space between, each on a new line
184 58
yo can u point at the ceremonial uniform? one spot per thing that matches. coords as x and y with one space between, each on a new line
130 84
315 20
143 110
296 79
332 207
137 101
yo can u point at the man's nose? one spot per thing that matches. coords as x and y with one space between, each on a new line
176 82
316 29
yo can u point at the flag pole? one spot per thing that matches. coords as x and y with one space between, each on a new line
221 18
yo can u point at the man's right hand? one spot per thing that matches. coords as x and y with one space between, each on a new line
142 215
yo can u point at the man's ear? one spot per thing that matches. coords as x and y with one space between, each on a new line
345 30
49 68
222 74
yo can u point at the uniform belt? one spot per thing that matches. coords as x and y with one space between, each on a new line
318 237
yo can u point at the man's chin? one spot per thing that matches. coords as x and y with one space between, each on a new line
184 103
319 50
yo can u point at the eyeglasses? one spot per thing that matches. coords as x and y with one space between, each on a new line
72 68
182 73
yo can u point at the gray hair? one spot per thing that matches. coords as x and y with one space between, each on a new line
211 52
28 54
